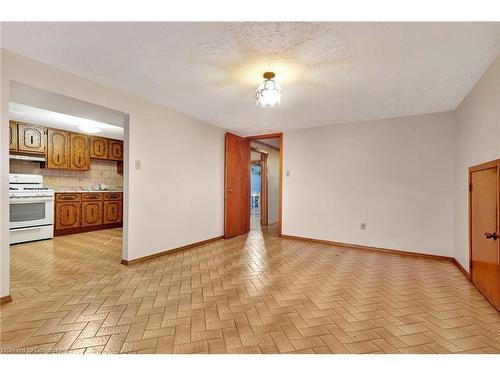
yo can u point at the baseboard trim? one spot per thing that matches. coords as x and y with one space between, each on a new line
370 248
64 232
5 299
459 266
166 252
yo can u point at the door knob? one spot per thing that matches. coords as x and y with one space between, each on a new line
489 236
229 191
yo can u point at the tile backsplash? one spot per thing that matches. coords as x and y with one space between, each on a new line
101 172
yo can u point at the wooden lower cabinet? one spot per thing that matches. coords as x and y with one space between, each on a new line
91 214
112 212
67 215
83 212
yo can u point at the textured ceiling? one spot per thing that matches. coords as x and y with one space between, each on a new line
329 72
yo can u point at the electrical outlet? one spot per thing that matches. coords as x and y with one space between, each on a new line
363 226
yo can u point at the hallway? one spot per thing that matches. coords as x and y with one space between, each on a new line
249 294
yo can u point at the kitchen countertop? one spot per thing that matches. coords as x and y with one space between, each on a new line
88 191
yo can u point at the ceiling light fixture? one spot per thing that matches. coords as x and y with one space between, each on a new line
90 129
268 94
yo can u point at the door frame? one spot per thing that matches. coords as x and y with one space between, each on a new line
280 182
476 168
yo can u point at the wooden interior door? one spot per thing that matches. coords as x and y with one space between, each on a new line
484 215
236 186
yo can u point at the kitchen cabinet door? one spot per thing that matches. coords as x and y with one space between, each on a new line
91 196
112 212
12 136
58 149
115 150
79 152
91 213
113 196
98 148
32 138
68 197
67 215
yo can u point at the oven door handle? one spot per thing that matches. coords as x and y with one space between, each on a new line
29 228
30 200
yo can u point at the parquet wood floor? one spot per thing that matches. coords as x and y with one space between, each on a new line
250 294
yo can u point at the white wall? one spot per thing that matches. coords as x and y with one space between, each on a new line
4 184
477 141
175 199
273 174
394 175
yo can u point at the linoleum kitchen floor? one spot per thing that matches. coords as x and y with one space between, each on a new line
250 294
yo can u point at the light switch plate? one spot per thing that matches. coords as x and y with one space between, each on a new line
137 164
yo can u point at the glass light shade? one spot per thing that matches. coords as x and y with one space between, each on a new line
268 94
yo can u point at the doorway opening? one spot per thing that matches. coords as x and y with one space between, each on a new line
255 190
258 188
253 179
67 186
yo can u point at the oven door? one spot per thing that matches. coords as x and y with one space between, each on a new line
31 212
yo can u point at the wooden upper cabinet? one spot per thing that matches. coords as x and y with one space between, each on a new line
32 138
115 149
79 152
58 149
98 148
12 135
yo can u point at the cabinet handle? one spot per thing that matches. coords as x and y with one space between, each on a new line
32 140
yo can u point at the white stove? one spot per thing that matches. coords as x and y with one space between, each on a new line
31 209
